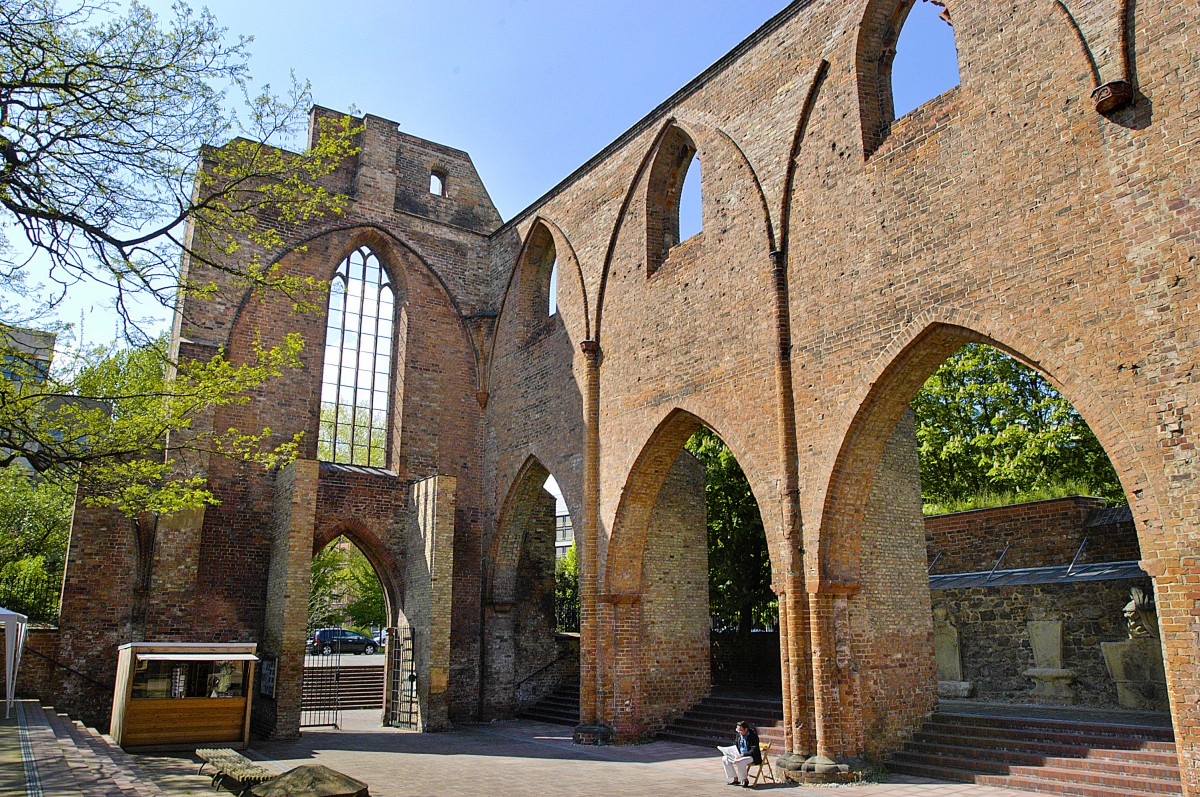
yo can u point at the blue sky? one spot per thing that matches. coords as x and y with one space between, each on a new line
530 88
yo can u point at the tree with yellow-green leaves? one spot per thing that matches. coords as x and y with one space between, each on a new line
137 162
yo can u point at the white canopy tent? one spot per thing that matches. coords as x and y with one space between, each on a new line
15 625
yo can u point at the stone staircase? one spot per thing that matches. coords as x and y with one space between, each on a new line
354 687
560 707
1081 759
72 760
710 722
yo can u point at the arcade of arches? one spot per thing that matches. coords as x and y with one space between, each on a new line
843 255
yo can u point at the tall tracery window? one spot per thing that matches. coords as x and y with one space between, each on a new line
357 376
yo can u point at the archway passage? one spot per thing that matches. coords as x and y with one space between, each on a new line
1025 610
531 663
688 596
346 647
744 611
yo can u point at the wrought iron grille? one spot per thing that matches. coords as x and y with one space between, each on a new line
405 705
320 703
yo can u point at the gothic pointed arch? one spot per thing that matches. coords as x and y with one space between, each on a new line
887 389
521 506
676 158
387 568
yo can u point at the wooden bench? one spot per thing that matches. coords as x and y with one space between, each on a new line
230 765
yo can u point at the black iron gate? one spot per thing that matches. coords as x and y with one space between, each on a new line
404 705
320 703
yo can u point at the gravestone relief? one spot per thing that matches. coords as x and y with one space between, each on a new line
1136 663
948 655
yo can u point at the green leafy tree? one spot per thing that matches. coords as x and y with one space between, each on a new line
35 523
345 589
118 129
98 424
988 424
739 566
325 594
566 591
137 162
365 605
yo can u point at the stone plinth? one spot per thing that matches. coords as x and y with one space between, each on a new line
1136 666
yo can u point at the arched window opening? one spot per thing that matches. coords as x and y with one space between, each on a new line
357 374
690 202
670 218
539 280
925 64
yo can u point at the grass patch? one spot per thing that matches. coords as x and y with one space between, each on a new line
987 499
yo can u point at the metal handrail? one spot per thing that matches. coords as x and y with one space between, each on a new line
106 687
543 668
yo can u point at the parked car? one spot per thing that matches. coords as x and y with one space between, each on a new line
326 641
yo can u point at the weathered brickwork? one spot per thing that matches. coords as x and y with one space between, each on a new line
673 651
1035 534
844 255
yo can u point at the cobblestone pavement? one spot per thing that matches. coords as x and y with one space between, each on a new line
506 759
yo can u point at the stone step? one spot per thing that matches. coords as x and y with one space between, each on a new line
710 722
1062 743
1123 730
1115 763
98 764
560 707
1088 759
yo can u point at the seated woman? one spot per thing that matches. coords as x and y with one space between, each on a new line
737 757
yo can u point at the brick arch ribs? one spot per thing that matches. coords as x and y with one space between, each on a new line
649 190
862 702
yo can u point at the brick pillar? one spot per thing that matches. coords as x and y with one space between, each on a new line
793 628
1177 598
801 676
289 582
628 709
588 541
834 677
428 593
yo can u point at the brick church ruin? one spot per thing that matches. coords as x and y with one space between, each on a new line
1049 206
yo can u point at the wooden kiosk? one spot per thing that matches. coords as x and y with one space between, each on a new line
183 694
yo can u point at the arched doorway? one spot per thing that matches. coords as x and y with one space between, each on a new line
875 670
531 650
346 642
680 616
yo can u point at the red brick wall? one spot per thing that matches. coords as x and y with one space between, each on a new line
842 260
1038 534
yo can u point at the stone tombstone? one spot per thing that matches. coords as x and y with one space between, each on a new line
947 652
1136 663
1052 682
